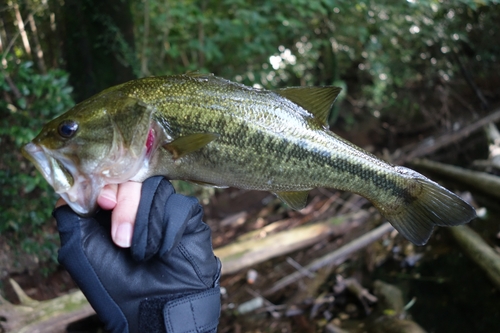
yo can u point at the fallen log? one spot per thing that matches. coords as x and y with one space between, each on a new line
336 257
251 251
482 181
493 161
51 316
479 251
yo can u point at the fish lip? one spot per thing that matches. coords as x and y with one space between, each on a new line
34 154
48 166
73 187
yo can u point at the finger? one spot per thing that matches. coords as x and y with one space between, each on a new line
123 217
60 203
107 198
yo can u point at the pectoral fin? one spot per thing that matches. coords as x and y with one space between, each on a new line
295 199
189 143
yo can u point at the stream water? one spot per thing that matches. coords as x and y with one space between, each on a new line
452 294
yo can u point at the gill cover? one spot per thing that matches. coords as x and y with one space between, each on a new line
108 147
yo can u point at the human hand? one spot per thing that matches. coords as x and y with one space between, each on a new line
169 279
123 199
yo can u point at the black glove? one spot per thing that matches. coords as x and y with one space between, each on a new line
168 281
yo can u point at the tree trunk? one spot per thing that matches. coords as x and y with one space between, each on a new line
22 31
98 44
38 48
145 36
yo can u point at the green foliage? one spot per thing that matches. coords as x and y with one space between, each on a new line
25 197
378 50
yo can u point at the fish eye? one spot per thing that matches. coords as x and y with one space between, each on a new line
67 128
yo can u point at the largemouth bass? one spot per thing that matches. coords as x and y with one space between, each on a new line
212 131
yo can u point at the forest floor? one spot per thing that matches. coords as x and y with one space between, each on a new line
388 285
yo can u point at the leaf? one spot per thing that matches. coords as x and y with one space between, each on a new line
22 103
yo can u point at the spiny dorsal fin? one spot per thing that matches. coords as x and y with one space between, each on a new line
317 100
198 74
189 143
295 199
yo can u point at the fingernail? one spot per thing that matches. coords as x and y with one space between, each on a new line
123 235
107 199
108 194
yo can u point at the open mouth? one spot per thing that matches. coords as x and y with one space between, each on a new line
71 186
51 169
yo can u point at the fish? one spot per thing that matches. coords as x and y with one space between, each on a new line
211 131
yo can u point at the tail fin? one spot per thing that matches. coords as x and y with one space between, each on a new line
434 205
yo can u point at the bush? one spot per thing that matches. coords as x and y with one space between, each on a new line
28 101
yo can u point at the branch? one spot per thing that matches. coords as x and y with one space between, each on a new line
51 316
334 258
477 249
430 145
468 77
246 253
479 180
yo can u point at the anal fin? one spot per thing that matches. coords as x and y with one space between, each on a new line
295 199
206 184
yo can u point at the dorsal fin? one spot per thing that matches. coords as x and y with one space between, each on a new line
317 100
198 74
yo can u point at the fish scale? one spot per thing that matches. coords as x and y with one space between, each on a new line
212 131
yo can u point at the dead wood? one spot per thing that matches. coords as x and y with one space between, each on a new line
335 258
51 316
390 298
432 144
479 251
479 180
390 316
332 328
250 251
493 161
355 288
389 324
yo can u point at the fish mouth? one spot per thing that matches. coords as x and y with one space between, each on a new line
63 176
